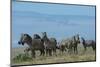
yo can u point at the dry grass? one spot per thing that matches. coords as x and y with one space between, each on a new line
89 55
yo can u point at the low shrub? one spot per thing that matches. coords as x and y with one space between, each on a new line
22 58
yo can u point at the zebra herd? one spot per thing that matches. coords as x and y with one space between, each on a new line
49 46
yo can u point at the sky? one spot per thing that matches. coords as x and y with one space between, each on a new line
54 8
58 20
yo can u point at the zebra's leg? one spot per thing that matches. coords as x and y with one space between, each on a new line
47 52
60 51
76 49
27 51
84 45
93 47
41 52
33 53
50 52
85 48
54 52
65 49
70 50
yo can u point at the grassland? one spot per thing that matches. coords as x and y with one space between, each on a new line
89 55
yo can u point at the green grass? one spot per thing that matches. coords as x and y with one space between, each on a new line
89 55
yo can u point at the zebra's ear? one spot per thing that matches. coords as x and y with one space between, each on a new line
82 38
44 32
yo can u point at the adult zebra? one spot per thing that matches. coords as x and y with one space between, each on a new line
49 43
88 43
35 36
34 44
72 44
